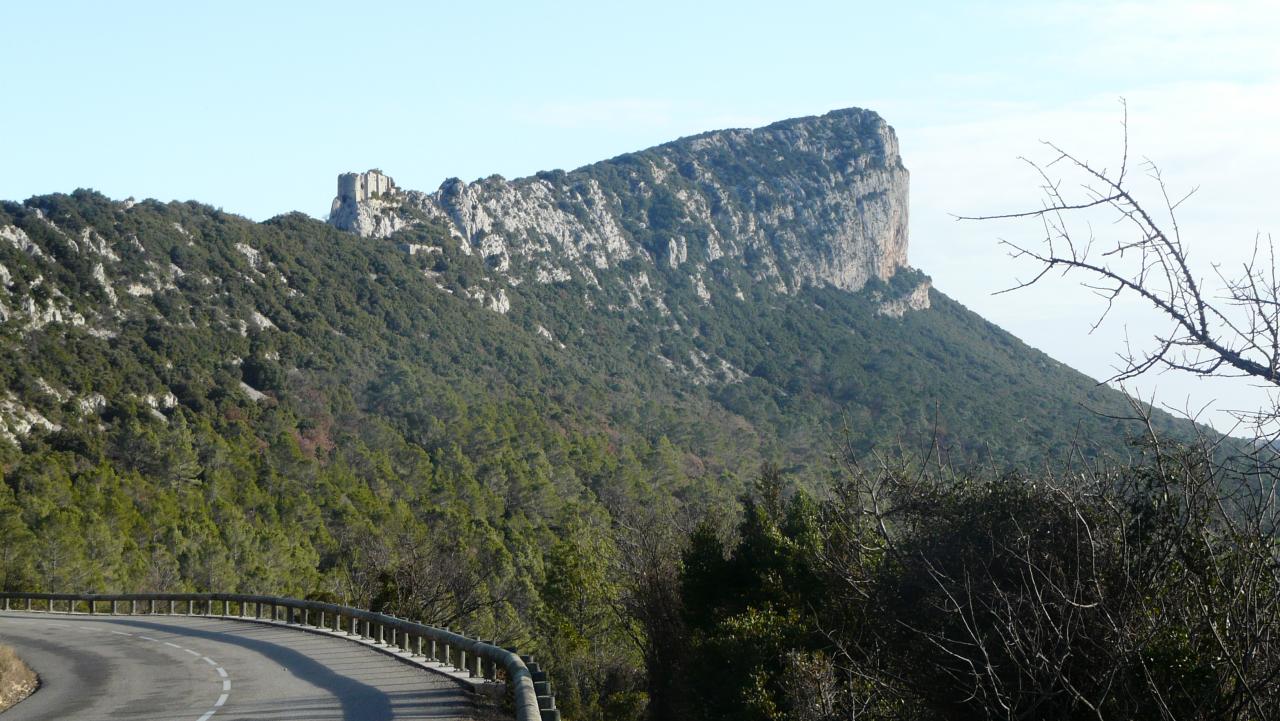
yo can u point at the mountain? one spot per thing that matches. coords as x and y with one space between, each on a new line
444 404
768 266
806 202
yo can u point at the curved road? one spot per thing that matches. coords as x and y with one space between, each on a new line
154 668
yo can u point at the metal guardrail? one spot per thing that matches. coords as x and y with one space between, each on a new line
529 687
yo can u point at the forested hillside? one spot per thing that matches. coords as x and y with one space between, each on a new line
191 400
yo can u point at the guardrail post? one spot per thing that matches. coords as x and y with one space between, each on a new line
475 670
133 606
490 666
381 633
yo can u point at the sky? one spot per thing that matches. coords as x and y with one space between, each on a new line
255 107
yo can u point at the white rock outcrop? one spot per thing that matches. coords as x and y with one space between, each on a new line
917 299
17 237
818 201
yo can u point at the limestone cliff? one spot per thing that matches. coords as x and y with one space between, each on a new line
808 201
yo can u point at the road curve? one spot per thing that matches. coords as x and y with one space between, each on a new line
158 668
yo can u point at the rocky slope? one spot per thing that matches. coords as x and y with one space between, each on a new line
816 201
753 280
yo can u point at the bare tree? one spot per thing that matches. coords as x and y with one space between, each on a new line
1136 592
1232 329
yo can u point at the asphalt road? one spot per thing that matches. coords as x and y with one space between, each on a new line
157 668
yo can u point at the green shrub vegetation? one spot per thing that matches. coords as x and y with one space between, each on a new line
1138 591
389 443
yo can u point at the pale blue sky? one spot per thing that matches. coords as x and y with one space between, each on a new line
256 107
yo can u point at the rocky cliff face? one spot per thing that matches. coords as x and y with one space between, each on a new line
809 201
366 204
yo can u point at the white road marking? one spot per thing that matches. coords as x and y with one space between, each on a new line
222 672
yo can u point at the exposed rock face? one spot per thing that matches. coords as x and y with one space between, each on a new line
365 204
917 299
809 201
